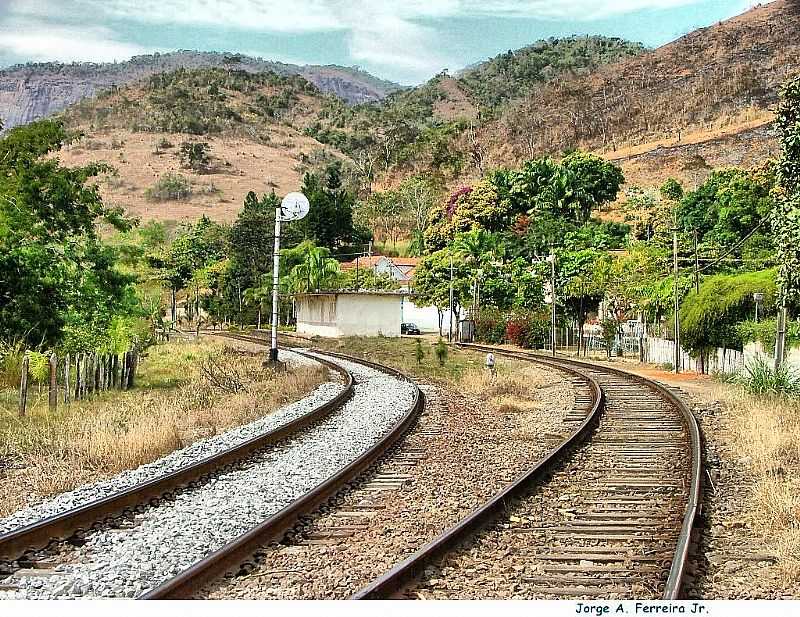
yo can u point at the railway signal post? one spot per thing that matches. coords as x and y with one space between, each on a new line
294 207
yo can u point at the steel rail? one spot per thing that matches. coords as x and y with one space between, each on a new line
677 570
14 544
230 556
409 569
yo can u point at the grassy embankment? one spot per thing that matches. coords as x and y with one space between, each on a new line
175 403
764 431
514 389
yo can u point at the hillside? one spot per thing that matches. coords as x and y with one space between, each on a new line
424 128
700 102
705 87
34 91
252 124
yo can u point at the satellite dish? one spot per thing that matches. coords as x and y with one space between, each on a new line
294 207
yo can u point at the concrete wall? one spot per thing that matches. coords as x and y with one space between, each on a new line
426 317
756 350
336 315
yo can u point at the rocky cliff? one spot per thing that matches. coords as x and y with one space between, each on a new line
34 91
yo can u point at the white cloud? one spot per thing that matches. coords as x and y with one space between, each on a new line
384 34
43 42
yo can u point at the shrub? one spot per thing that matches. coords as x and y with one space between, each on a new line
170 187
38 367
528 330
441 351
764 332
195 155
609 330
490 326
419 352
10 363
760 377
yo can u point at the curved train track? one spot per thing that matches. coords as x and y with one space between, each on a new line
52 530
633 492
629 470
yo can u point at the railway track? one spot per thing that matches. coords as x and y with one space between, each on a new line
616 522
81 518
108 521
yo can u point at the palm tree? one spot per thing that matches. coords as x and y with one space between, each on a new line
317 271
259 296
479 248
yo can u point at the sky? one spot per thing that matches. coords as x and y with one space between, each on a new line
407 41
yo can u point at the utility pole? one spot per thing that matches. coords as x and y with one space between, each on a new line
676 300
780 338
450 332
293 208
552 259
276 254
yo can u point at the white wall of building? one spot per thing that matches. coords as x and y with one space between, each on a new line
425 317
336 315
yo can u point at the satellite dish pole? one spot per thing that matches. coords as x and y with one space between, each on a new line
294 207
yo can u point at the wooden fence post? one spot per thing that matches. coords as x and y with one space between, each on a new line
77 391
23 385
53 393
96 373
84 375
122 370
134 363
67 360
101 372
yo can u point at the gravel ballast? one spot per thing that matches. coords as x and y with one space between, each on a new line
461 452
179 458
167 539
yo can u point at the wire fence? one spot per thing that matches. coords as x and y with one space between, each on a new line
76 376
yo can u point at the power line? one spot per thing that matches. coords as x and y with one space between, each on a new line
737 245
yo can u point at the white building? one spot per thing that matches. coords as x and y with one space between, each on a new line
349 313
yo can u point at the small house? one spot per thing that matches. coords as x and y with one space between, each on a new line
349 313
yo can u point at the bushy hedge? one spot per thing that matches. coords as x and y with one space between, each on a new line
764 332
528 330
490 326
709 318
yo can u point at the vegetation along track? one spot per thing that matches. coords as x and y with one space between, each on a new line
195 559
615 522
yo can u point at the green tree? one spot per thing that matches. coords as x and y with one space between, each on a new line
329 222
709 318
432 283
59 284
317 272
583 279
195 155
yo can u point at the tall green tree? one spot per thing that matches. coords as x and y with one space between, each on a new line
59 284
329 222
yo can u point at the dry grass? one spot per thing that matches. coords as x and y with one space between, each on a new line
174 405
514 389
765 432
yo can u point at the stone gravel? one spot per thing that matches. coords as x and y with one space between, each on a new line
179 458
167 539
466 449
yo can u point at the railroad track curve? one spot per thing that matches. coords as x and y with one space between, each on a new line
268 457
615 522
81 518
